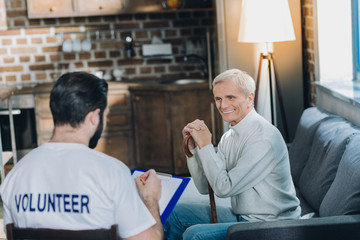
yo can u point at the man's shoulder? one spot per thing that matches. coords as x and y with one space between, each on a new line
69 162
76 155
107 159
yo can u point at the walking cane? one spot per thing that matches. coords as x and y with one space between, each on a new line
211 191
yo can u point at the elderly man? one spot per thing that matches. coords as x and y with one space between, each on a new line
64 184
251 166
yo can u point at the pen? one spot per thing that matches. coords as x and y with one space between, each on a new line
143 180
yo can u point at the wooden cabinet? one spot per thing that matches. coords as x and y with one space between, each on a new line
117 138
72 8
96 7
43 118
159 117
49 8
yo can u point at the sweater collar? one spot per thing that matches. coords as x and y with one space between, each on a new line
245 122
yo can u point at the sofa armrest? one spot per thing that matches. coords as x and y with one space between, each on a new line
336 227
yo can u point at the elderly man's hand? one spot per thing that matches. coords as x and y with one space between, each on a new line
200 133
201 137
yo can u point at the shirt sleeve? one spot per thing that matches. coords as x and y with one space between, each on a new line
132 215
253 164
197 172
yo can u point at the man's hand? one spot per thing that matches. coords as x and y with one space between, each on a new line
199 132
149 186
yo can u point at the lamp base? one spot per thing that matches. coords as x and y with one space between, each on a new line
271 66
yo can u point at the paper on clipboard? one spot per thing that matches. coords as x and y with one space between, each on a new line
171 189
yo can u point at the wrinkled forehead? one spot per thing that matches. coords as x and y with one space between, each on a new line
227 88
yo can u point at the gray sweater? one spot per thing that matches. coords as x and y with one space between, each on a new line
252 167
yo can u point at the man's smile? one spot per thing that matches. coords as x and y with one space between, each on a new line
228 111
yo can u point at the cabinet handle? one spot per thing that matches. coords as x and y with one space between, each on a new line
51 10
137 98
101 8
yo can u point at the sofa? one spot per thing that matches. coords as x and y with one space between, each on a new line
325 166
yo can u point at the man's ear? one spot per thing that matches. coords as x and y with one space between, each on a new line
94 117
251 98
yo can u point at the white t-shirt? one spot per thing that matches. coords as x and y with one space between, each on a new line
70 186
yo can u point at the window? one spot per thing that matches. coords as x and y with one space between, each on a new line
335 40
356 43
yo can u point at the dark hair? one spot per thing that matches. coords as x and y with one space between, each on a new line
76 94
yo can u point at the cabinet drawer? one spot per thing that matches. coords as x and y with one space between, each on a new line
42 104
44 124
117 119
118 99
97 7
49 8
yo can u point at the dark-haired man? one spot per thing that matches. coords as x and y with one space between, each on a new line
65 184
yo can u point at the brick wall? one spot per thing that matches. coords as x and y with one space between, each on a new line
308 52
31 49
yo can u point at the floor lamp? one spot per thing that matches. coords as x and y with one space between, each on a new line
267 21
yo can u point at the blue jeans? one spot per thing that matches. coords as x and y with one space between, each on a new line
193 221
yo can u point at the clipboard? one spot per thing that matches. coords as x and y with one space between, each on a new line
172 187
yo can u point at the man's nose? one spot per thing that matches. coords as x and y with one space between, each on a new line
224 104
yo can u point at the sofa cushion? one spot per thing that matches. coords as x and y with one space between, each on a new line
343 196
330 228
328 147
300 147
305 207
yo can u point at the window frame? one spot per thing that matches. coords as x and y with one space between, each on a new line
355 39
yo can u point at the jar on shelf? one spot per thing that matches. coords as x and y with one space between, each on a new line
173 3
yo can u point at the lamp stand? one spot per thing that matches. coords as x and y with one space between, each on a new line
271 65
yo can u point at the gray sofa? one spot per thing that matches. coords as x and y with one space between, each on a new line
325 166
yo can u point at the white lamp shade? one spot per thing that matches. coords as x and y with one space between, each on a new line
265 21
